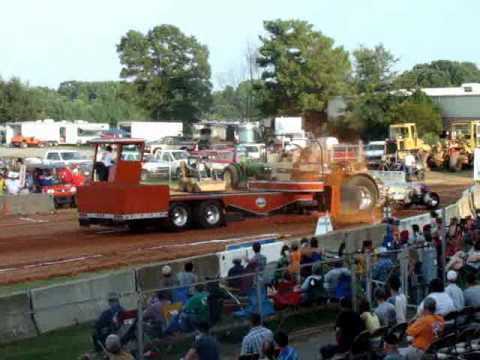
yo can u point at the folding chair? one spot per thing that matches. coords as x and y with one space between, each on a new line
376 338
361 344
399 330
170 310
443 348
465 339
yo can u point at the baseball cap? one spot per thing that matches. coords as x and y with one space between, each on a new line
166 270
452 275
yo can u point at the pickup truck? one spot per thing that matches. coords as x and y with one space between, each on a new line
68 158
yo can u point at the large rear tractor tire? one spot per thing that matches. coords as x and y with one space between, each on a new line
209 214
231 177
179 216
358 194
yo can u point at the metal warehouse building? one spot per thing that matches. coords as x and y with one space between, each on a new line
457 103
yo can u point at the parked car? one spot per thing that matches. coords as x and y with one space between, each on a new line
172 158
153 167
68 158
251 151
374 152
25 141
170 143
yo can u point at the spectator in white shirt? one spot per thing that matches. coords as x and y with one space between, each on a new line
12 184
410 163
398 299
442 299
455 293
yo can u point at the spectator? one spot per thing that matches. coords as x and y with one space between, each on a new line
2 184
194 312
258 261
77 177
473 258
295 258
253 342
398 299
382 269
443 302
472 292
425 330
385 310
455 293
332 277
347 326
310 255
12 184
114 349
370 319
286 352
186 278
457 261
167 281
204 346
315 277
154 313
390 347
108 322
236 270
282 263
429 257
417 236
410 164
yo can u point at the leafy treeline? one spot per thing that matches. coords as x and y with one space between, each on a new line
166 76
74 100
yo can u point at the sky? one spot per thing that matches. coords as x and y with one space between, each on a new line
50 41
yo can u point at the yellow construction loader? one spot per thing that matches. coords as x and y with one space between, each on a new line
403 138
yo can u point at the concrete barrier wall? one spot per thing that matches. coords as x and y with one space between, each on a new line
225 258
353 237
15 318
28 204
81 301
204 266
464 208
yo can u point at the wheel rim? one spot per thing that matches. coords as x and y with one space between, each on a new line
179 216
212 214
365 199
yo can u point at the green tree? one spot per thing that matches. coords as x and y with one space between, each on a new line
373 68
169 70
17 101
440 73
420 109
301 68
240 103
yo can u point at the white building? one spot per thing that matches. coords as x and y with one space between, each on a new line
457 103
56 132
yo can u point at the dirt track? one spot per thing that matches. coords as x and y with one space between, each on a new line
41 247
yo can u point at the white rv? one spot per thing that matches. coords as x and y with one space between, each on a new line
151 130
56 132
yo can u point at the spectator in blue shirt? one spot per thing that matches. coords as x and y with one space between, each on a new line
286 352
